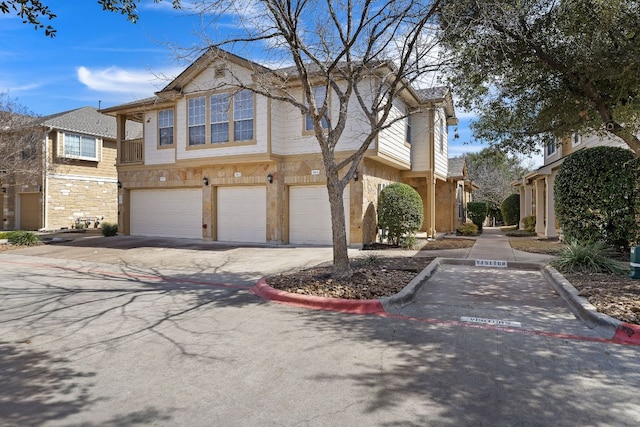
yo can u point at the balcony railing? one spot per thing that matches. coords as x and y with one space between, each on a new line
131 151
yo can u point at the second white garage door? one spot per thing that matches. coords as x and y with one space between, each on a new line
310 215
242 214
167 213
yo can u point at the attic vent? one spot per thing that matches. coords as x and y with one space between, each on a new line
219 72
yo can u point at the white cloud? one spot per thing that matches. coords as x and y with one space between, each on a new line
117 80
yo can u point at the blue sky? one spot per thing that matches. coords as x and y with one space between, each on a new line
100 58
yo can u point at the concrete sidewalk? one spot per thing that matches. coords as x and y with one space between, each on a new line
493 244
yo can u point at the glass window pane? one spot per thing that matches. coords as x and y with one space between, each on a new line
88 148
219 108
243 130
219 132
71 145
243 105
197 135
319 94
197 111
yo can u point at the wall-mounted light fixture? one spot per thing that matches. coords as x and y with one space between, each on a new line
4 189
39 188
355 175
205 181
270 178
119 184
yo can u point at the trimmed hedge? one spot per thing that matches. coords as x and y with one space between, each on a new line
596 194
510 209
467 229
400 213
109 229
529 223
477 212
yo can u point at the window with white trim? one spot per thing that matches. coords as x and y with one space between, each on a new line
576 139
165 127
319 94
197 120
551 148
80 147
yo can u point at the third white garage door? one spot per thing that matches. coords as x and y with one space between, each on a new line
242 214
310 215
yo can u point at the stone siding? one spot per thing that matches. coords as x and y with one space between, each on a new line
68 200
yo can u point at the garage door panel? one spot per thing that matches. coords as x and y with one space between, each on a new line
166 213
310 215
242 214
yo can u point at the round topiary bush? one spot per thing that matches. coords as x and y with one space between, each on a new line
596 194
510 208
477 212
400 213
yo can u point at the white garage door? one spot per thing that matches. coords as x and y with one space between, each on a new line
310 215
166 213
242 214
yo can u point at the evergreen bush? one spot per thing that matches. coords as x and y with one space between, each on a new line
596 194
477 212
510 209
400 213
467 229
529 223
109 229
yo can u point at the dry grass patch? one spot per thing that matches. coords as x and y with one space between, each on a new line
442 244
537 246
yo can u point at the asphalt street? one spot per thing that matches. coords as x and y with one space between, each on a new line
90 343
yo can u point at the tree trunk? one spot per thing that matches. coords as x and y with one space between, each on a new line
341 267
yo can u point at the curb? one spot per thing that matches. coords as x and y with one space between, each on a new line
371 306
621 332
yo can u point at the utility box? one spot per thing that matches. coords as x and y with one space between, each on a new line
634 264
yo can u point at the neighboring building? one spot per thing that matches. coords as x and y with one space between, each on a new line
78 181
236 166
536 188
458 186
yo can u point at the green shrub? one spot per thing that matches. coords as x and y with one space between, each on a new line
590 257
529 223
400 213
4 235
23 238
596 195
467 229
477 212
510 209
109 229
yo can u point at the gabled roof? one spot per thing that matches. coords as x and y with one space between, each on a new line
456 167
87 121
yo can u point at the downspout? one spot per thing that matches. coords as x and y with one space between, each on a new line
45 183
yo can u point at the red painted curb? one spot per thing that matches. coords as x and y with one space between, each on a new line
371 306
627 333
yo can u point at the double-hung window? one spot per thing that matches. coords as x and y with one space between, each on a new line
219 118
319 95
197 120
80 147
551 148
165 127
243 116
226 118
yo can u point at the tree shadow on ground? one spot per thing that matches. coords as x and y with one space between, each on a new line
38 387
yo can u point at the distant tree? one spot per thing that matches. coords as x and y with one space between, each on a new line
539 69
493 171
20 143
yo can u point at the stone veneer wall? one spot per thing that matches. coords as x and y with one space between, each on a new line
294 171
69 199
446 206
374 175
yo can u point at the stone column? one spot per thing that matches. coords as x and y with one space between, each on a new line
550 223
523 201
540 211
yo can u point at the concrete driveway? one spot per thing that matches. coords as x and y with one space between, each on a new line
96 344
183 258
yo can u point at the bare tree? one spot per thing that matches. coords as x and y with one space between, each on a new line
361 56
21 155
